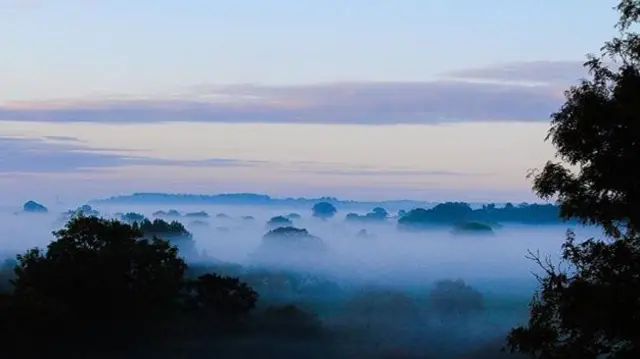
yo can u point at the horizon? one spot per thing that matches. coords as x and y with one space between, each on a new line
423 100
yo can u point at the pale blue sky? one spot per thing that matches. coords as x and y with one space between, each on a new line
58 48
158 80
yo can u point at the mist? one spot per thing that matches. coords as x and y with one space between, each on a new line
369 260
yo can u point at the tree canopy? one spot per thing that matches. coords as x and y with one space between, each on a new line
279 221
100 285
95 275
324 210
34 207
451 213
378 214
590 309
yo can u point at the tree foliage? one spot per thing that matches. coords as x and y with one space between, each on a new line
101 285
279 221
34 207
378 214
596 134
95 275
590 308
451 213
454 299
324 210
222 296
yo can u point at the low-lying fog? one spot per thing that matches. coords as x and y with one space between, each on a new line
386 256
494 265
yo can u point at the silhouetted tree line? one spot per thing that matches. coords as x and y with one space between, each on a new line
378 214
451 213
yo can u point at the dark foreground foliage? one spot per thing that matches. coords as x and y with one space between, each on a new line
589 308
105 289
101 287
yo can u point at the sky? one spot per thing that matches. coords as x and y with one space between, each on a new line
379 99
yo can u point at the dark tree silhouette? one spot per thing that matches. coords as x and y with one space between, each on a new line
34 207
292 238
159 214
279 221
173 213
98 279
174 232
380 212
101 289
451 213
84 210
591 309
293 216
324 210
198 223
131 217
472 228
453 300
200 214
222 297
381 308
292 321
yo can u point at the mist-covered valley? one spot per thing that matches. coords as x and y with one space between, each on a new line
362 284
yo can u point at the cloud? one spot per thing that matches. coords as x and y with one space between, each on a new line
393 172
536 72
35 156
25 155
62 138
513 92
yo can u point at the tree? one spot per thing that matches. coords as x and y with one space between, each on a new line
473 228
454 300
223 296
98 279
380 213
279 221
200 214
293 216
324 210
101 287
34 207
131 217
283 238
174 232
590 309
380 309
291 320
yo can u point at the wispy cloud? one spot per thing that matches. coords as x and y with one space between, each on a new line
394 172
62 138
26 155
33 156
552 73
514 92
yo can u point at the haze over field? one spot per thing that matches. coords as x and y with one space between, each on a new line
391 256
374 254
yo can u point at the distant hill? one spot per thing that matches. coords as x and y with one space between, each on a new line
253 199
